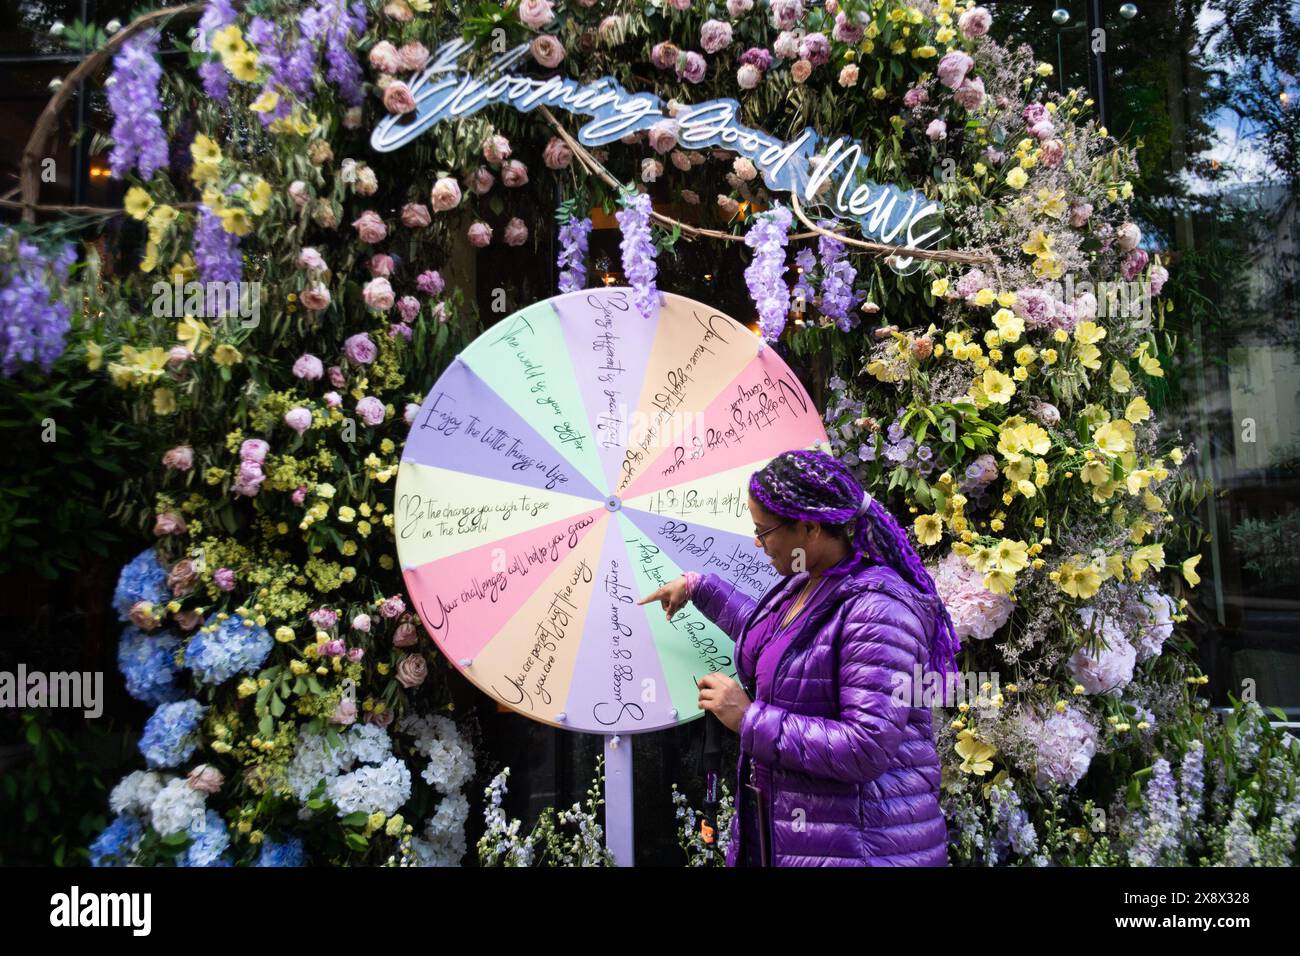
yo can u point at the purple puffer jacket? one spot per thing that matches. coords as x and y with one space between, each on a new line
854 774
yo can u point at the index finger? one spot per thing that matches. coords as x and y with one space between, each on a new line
648 598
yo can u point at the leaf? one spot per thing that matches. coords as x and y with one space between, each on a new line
357 842
357 819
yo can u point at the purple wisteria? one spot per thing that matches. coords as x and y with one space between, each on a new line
216 255
33 319
639 253
138 137
765 275
573 254
346 24
216 81
837 283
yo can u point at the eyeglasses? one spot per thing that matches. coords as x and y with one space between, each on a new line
760 535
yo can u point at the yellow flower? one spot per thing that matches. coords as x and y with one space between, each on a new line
929 529
242 65
1120 380
150 260
204 149
164 401
984 297
1079 582
1017 178
1149 556
235 220
266 102
924 52
1006 299
137 203
160 218
1052 204
228 40
1089 333
1040 243
1114 437
194 334
259 198
1138 411
1149 363
94 356
1189 570
1044 69
1012 555
977 756
1048 267
1009 325
939 287
1000 582
226 354
1089 355
997 386
284 634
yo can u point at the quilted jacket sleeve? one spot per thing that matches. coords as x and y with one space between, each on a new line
881 638
724 604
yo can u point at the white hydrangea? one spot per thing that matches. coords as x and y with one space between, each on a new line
444 834
368 743
451 759
371 789
135 792
1154 612
1111 668
176 806
314 760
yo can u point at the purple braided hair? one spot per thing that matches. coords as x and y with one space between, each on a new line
810 485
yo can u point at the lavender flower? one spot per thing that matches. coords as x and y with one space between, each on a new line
765 275
347 24
138 135
573 254
807 262
639 253
837 283
216 81
216 254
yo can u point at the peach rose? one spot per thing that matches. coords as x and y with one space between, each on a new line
385 58
412 670
445 194
548 51
516 233
413 55
370 228
557 155
514 173
315 298
415 215
398 99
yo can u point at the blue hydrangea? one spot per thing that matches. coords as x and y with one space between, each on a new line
208 843
117 844
229 648
143 579
288 853
172 733
148 663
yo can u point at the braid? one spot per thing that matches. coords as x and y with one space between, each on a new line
804 485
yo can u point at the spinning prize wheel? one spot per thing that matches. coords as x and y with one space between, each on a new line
571 460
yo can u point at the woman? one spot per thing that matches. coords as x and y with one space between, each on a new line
837 767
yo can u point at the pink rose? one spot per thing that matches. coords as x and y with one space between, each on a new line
514 173
916 96
953 69
409 413
516 233
324 618
168 522
1042 130
800 71
311 260
405 635
715 35
975 22
408 306
180 458
360 349
315 298
937 130
399 10
496 149
748 76
664 55
430 282
182 576
178 355
480 234
412 669
299 419
385 58
333 399
970 95
308 367
378 294
398 99
299 494
337 377
371 410
352 117
557 155
445 195
392 607
849 75
355 654
413 56
381 264
535 14
1052 152
345 713
361 623
1080 213
145 615
1127 237
481 180
663 136
224 578
298 193
187 619
693 68
370 228
547 50
205 778
254 449
415 215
